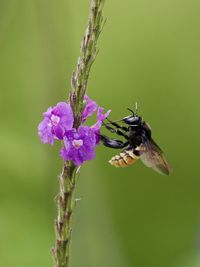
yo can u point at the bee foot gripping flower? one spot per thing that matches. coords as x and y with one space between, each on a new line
79 144
100 118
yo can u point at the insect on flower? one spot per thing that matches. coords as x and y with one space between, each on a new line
138 144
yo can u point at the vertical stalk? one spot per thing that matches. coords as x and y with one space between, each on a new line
65 204
67 179
88 53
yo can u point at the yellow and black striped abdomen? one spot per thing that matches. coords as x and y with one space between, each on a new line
124 159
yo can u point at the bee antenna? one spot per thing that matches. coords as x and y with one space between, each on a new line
136 108
131 110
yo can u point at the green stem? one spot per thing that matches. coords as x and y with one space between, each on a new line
65 203
68 177
88 53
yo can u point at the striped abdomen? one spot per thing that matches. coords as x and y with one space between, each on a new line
124 159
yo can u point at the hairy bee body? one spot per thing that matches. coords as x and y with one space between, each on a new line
138 144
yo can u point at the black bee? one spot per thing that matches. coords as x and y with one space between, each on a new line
138 144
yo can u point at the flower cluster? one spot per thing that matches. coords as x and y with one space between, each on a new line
79 144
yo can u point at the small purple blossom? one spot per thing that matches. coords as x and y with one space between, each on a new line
90 108
100 118
56 121
79 145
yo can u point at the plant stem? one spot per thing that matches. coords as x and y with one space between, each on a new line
65 204
68 177
88 53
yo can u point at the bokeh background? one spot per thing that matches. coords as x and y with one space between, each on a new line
134 217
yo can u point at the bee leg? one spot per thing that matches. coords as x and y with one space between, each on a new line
112 143
125 129
113 130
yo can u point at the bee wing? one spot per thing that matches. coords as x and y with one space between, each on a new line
152 156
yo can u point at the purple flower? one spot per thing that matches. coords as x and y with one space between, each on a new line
100 118
79 145
56 121
89 109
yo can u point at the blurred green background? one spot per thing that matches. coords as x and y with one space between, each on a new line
150 53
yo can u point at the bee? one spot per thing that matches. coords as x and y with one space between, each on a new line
138 144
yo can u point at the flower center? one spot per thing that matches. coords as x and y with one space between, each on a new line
55 120
77 143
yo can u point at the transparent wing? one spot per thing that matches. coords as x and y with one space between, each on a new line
152 156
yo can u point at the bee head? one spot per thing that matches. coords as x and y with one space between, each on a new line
133 119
